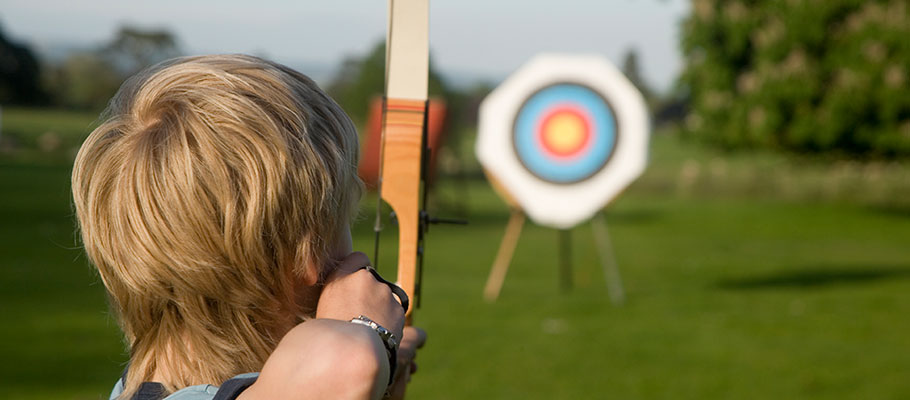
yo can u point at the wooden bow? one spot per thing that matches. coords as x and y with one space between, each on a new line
404 136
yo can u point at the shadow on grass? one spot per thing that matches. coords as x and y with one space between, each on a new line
499 217
817 276
900 211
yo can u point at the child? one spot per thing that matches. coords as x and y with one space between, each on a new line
215 201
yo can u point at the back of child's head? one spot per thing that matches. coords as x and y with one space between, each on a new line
210 186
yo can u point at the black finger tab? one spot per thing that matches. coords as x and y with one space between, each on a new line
396 290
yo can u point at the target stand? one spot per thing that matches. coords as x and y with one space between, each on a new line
602 242
559 140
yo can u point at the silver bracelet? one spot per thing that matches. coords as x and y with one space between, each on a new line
388 340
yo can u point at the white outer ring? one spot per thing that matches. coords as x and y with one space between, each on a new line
564 205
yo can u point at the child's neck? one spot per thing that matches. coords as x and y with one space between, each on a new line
307 298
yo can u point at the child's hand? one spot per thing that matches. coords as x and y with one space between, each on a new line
414 338
329 357
352 291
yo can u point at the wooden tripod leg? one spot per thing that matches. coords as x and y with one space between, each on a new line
504 256
607 259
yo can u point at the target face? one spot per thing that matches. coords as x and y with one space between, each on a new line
563 136
564 133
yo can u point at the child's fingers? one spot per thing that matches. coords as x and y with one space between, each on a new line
352 290
413 339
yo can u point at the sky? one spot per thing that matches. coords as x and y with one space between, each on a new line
471 39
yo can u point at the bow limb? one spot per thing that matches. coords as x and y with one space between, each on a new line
404 132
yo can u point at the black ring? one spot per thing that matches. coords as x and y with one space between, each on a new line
396 290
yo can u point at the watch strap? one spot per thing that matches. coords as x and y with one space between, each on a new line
388 340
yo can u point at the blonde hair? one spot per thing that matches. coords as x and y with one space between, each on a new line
213 182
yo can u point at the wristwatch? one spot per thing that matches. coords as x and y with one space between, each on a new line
388 340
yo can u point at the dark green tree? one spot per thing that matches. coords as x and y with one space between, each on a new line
632 69
800 75
84 80
360 79
20 74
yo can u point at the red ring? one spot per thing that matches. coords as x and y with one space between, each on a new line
557 154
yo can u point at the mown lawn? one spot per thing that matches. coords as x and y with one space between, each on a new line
739 286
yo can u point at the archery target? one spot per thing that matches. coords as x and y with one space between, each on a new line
563 135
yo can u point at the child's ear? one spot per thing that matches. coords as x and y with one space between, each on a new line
311 273
305 270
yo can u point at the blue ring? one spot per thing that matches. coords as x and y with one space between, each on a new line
603 133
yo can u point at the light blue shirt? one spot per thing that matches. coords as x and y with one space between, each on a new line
195 392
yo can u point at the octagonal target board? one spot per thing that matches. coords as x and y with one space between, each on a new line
564 135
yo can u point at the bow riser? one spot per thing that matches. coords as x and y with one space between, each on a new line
402 153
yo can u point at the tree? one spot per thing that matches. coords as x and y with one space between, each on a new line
20 74
88 79
808 76
358 80
85 80
632 70
134 49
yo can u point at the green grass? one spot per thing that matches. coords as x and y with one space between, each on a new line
736 289
39 134
56 336
726 300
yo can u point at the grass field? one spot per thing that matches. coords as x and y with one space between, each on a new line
748 276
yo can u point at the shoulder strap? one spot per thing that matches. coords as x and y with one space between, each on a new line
232 388
229 390
149 391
